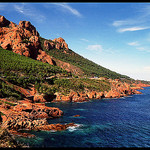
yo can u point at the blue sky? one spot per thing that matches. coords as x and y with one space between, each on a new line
113 35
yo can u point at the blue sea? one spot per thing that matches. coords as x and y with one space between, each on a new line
120 122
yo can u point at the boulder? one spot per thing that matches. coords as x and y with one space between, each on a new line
44 57
99 95
76 116
91 94
55 127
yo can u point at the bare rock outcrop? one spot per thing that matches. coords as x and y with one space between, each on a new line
22 39
48 45
60 43
3 21
28 115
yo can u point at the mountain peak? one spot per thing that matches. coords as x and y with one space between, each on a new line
3 21
28 26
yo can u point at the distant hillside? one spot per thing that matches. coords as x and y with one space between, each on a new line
23 71
26 72
88 67
24 39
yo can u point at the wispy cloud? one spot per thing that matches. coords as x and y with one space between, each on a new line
132 29
69 9
85 40
29 11
136 43
143 49
95 47
118 23
138 46
136 23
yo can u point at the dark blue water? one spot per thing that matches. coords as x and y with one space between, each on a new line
123 122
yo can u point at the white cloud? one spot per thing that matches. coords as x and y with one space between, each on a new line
143 49
118 23
95 47
19 8
85 40
29 11
69 9
139 22
132 29
136 43
124 22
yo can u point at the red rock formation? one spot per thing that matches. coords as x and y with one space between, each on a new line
60 43
28 26
27 135
45 58
27 115
55 127
31 116
68 67
71 97
48 45
38 98
118 89
91 94
3 21
76 116
99 95
139 86
19 38
22 39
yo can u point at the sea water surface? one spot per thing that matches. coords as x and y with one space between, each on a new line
121 122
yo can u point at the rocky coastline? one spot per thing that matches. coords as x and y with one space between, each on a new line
118 89
33 114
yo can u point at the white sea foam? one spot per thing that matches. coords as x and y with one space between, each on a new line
73 128
52 131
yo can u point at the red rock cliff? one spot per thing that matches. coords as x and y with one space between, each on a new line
22 39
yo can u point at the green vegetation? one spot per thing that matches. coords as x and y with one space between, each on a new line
64 86
23 71
25 65
8 91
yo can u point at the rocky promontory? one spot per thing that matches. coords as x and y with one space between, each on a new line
118 89
30 116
